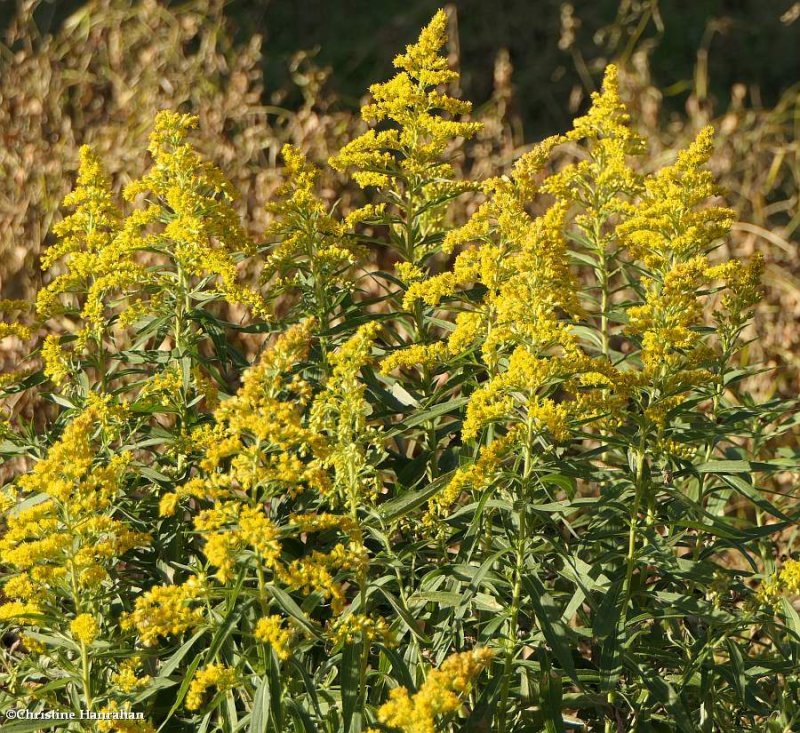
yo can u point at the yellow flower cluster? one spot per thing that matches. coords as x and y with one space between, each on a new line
314 573
260 434
443 692
319 522
413 149
163 386
602 181
98 260
666 225
190 221
165 610
476 475
202 234
540 378
671 232
231 526
118 720
271 630
67 542
85 237
521 262
17 328
361 627
309 241
264 447
213 675
57 365
785 582
408 158
19 612
127 679
84 628
339 413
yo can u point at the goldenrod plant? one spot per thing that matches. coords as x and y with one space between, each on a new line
508 484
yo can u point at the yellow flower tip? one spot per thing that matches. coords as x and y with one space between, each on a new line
442 693
611 79
293 158
169 123
218 676
84 628
168 504
271 630
699 152
431 39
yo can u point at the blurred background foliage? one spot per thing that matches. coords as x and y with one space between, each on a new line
260 73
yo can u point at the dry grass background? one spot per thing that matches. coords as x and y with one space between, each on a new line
105 71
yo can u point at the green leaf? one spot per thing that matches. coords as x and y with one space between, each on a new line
556 633
405 615
286 602
402 505
350 675
259 718
182 690
551 690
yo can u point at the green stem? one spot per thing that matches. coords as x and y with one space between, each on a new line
86 679
603 278
630 558
516 596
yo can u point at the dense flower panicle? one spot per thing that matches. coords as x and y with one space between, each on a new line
520 261
260 441
202 234
232 527
340 413
476 475
162 386
272 630
443 692
92 226
412 100
191 222
608 117
310 249
216 676
85 236
672 232
408 162
96 260
271 442
69 541
668 225
167 610
521 325
602 183
319 522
